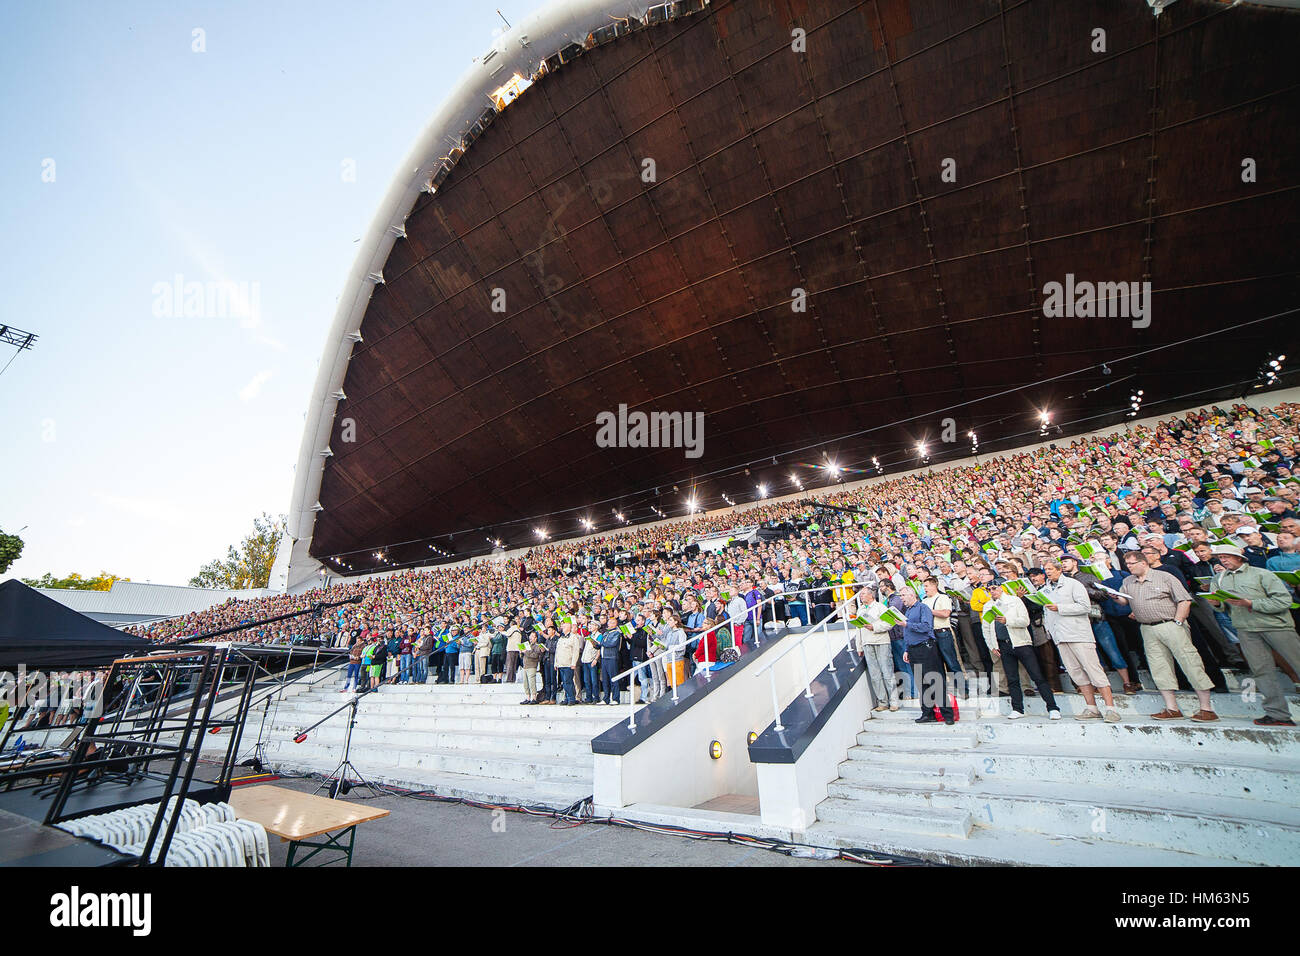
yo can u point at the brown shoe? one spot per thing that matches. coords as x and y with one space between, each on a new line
1168 715
1204 716
1132 688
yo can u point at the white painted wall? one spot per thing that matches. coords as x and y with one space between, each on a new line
788 793
673 767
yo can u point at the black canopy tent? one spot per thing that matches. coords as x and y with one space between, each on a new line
42 634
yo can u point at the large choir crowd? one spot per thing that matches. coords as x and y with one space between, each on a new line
1168 549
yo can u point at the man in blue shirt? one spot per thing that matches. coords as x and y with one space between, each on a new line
922 652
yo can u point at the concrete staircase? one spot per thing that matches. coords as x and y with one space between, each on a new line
470 740
1067 792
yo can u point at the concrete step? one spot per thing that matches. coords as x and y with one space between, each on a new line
435 723
372 704
864 772
555 795
397 759
984 847
1169 737
1134 705
558 745
941 737
1266 833
902 819
1232 678
1252 777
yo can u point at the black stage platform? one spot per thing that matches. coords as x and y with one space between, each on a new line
24 842
33 803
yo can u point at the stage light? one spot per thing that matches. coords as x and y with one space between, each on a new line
752 736
715 749
762 491
833 468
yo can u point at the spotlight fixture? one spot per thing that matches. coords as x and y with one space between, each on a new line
1044 419
1269 372
715 749
752 736
1135 403
762 491
541 533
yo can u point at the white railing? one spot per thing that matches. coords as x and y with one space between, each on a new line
800 643
754 615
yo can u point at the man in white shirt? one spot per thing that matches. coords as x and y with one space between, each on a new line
941 607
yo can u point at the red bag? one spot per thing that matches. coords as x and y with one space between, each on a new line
956 715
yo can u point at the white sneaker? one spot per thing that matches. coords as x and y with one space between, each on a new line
1054 715
1112 716
1016 715
1088 713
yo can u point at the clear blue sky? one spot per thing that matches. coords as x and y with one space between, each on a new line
138 442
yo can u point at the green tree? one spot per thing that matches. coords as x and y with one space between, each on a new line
75 582
249 564
11 548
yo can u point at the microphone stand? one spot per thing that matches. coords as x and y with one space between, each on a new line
340 786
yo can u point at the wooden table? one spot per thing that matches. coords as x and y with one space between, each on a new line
298 817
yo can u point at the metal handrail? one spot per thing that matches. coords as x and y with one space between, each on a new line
842 611
752 615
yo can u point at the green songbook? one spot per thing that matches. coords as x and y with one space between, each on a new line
892 617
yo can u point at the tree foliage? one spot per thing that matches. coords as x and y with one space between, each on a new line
247 565
11 548
103 581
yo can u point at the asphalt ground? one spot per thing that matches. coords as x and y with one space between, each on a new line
433 833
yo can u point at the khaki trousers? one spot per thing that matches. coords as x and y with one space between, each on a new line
1258 648
1169 642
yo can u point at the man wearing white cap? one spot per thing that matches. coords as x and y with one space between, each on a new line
1260 615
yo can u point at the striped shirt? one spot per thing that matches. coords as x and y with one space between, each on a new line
1156 599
